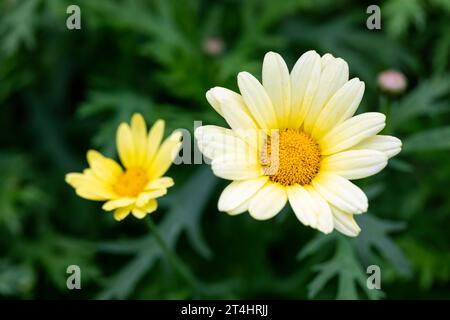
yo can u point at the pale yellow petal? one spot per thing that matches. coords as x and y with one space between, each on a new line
237 192
332 77
302 205
243 207
310 208
344 222
354 164
389 145
322 209
215 142
339 108
351 132
235 116
234 168
305 76
326 58
217 94
268 201
257 101
276 81
341 193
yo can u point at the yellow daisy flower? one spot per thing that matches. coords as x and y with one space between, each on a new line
135 188
308 143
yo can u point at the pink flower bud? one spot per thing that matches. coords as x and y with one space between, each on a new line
213 46
392 82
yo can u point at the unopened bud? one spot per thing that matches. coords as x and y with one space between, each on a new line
392 82
213 46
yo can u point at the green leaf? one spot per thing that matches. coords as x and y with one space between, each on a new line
374 237
345 266
429 140
17 26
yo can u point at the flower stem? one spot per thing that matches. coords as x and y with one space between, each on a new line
173 259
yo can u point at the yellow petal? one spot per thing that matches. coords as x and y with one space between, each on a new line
75 179
88 186
103 168
155 137
160 183
122 213
141 212
125 146
118 203
166 154
139 132
144 197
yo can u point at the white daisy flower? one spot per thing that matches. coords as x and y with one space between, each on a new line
295 138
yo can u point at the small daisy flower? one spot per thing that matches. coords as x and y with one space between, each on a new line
295 138
135 187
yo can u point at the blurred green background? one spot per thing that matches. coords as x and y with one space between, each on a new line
64 91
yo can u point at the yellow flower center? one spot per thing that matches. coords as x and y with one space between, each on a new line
298 159
131 182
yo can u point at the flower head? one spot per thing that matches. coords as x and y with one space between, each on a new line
135 187
295 138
